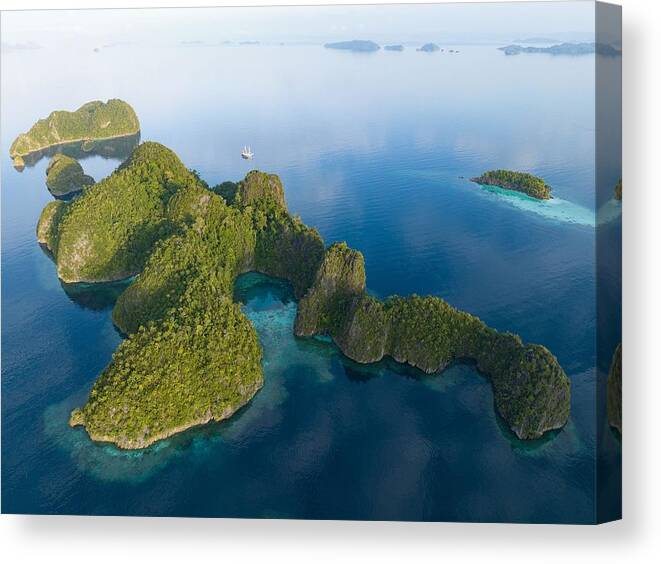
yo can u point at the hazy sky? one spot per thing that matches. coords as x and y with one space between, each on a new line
315 23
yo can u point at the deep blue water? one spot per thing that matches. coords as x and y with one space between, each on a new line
375 150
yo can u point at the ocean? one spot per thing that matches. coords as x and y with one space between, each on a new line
375 149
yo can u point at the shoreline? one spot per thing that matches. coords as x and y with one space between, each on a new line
72 141
228 413
126 446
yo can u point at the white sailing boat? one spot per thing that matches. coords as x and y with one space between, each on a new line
247 153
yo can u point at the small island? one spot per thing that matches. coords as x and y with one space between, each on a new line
91 122
429 48
394 48
528 184
192 356
357 45
618 190
65 176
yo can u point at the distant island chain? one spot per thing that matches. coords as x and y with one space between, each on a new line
191 355
365 46
573 49
567 48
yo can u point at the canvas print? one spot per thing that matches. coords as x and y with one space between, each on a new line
314 262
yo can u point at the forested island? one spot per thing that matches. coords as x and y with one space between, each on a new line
530 388
618 190
528 184
91 122
358 45
429 48
65 176
191 356
394 47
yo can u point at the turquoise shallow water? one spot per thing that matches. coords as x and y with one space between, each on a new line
325 437
556 209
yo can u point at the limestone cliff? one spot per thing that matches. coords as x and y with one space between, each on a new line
47 228
531 390
260 186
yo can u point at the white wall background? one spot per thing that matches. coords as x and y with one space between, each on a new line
635 539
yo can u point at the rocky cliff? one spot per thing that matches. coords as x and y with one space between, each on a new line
531 390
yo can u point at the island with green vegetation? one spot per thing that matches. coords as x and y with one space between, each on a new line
429 48
618 190
200 362
65 176
528 184
93 121
357 45
531 390
614 390
108 232
191 356
394 48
